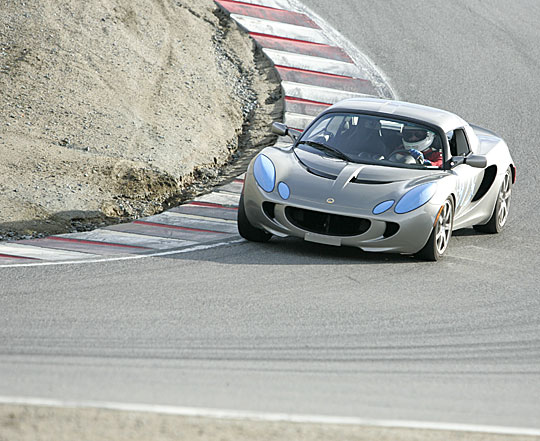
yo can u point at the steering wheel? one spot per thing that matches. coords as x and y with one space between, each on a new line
404 157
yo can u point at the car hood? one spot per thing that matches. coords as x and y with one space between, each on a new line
314 179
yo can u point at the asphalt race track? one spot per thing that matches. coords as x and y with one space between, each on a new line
295 327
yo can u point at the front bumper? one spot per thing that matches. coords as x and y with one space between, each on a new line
386 232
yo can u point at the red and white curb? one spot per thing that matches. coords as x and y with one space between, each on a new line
317 68
208 220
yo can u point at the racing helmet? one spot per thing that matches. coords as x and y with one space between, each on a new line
417 138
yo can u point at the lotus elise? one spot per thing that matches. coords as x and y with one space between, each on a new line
380 175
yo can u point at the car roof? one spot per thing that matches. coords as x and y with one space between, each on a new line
445 120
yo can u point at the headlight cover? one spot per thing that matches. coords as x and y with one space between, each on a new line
264 173
415 198
383 206
284 190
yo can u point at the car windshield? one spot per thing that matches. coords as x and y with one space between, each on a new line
373 139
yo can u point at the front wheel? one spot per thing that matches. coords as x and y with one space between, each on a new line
248 231
500 212
440 235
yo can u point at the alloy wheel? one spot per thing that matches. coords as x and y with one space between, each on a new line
504 200
444 228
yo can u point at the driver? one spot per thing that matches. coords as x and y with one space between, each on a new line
419 142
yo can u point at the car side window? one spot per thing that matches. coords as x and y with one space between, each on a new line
459 145
462 145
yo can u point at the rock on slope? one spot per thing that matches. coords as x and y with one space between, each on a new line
110 109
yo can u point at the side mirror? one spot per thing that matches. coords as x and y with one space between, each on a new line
456 160
477 161
282 130
279 129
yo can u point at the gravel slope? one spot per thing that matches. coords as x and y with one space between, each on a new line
112 109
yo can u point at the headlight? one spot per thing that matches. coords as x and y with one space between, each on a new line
415 198
383 206
265 173
284 190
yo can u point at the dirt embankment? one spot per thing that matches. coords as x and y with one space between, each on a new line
115 109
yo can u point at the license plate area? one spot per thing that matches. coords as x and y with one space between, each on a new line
323 239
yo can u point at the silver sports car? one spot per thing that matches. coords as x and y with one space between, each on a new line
381 175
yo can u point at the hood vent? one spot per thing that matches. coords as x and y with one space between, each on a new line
320 173
368 181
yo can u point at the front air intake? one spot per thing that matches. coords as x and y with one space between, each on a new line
269 209
391 229
326 223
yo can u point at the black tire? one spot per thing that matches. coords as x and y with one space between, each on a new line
439 238
248 231
498 219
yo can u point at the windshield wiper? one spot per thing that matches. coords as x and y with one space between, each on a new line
327 148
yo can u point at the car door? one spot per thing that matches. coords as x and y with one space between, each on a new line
468 178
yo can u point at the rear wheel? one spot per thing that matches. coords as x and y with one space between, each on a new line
440 235
248 231
500 212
